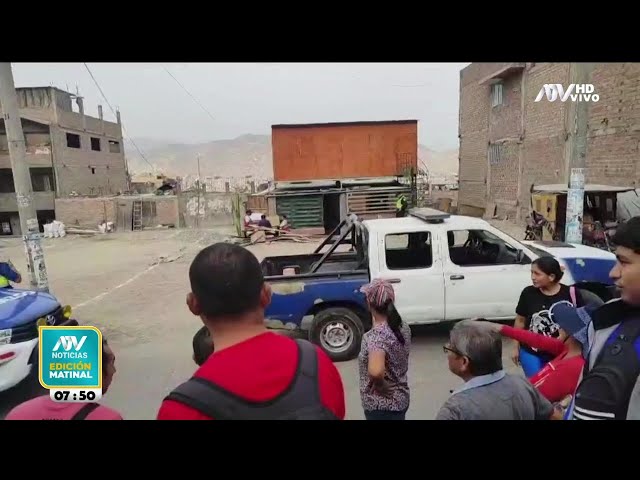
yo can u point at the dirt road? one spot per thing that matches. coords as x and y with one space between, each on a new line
119 283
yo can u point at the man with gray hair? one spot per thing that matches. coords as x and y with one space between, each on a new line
474 353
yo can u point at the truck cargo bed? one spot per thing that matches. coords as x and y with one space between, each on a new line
303 264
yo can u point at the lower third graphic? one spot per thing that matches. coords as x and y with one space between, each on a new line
71 362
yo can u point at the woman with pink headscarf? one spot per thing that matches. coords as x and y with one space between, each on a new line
384 357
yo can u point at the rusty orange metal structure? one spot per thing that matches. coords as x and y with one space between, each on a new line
344 150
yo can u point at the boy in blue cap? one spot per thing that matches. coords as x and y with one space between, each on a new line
558 379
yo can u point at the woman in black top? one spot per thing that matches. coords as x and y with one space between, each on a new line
532 312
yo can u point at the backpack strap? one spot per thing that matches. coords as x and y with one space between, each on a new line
574 298
217 403
84 412
205 397
305 388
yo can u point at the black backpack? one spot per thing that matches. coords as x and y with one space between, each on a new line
605 389
300 401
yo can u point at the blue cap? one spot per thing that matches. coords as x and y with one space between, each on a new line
574 321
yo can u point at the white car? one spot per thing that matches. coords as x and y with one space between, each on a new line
447 268
443 267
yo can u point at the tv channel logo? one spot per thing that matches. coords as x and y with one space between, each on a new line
70 357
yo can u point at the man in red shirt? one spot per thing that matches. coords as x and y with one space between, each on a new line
250 365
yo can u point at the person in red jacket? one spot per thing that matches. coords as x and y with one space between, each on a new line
247 367
559 378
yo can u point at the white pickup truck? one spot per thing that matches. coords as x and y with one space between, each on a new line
444 268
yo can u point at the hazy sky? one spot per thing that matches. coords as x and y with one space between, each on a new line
250 97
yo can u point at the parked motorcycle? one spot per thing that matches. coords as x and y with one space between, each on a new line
535 224
600 235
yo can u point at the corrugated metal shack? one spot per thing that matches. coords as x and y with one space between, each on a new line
321 205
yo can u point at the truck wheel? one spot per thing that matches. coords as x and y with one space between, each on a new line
338 331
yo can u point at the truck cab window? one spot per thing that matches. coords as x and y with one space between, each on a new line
474 248
404 251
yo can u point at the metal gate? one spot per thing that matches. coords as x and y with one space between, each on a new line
375 203
302 211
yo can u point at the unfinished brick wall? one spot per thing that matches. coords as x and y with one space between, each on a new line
613 156
545 139
503 181
85 171
473 134
505 130
85 212
613 152
167 210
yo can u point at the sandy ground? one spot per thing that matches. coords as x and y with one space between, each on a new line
117 283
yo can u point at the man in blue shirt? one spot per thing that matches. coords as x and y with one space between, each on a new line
8 273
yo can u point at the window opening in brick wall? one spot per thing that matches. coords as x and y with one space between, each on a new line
496 153
95 144
496 94
6 227
6 181
114 147
93 170
42 179
73 140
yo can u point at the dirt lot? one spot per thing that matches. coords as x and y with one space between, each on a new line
132 286
118 283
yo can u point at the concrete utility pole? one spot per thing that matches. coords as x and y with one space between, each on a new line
199 193
578 157
22 180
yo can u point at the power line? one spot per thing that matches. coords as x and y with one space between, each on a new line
420 85
115 114
189 93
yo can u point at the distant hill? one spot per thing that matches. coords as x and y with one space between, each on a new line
441 163
238 157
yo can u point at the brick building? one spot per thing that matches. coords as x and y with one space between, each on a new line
67 152
509 142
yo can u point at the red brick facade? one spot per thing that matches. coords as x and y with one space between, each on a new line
534 136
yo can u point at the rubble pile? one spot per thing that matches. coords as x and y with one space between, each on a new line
206 238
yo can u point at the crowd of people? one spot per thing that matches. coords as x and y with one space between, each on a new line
580 356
